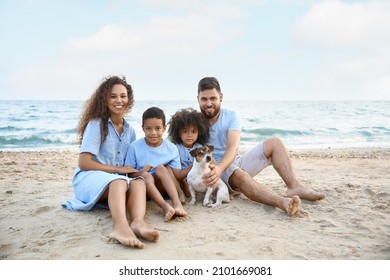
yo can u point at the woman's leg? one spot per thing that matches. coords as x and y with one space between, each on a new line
121 230
136 207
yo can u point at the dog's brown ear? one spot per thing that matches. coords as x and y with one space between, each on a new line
193 152
211 147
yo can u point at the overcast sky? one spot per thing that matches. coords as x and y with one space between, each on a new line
258 49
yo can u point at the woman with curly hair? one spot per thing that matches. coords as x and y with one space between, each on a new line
100 179
188 129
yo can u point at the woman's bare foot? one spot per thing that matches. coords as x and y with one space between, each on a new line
169 212
291 205
304 193
141 230
124 235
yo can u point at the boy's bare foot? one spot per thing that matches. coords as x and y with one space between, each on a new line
141 230
179 211
169 212
124 235
291 205
304 193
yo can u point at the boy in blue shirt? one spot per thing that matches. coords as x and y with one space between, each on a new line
157 160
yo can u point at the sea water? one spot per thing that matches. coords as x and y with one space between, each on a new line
44 124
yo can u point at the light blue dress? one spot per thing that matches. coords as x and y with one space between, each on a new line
139 154
89 185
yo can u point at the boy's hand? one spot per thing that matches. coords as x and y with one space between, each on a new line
147 167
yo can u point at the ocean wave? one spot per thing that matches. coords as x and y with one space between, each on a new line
11 128
33 140
275 132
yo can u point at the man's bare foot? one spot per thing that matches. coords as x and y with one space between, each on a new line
124 235
305 193
141 230
169 212
291 205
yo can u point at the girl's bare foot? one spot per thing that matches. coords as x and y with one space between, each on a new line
304 193
291 205
169 212
124 235
182 197
141 230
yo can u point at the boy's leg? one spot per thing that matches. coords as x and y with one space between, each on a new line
155 195
166 181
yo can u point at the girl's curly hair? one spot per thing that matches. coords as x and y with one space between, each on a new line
185 118
96 106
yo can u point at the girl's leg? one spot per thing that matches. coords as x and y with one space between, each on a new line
167 182
186 188
121 230
136 207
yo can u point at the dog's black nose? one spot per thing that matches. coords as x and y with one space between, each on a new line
208 158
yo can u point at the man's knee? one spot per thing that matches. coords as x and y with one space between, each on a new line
238 178
270 145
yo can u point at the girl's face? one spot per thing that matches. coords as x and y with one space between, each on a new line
154 130
189 135
118 100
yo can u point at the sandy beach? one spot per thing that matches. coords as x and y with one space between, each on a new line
351 223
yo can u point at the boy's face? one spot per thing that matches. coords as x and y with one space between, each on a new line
154 130
189 135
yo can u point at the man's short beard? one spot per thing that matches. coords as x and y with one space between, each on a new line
208 116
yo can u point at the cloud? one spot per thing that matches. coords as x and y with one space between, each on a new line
147 48
160 36
333 24
353 41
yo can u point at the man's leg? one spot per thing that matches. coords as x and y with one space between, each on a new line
275 152
254 191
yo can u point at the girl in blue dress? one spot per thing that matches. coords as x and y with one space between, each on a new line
100 179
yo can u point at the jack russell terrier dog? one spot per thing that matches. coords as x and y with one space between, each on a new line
202 158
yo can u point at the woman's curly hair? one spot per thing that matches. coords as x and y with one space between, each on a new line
96 106
185 118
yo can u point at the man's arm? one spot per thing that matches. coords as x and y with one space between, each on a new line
233 141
